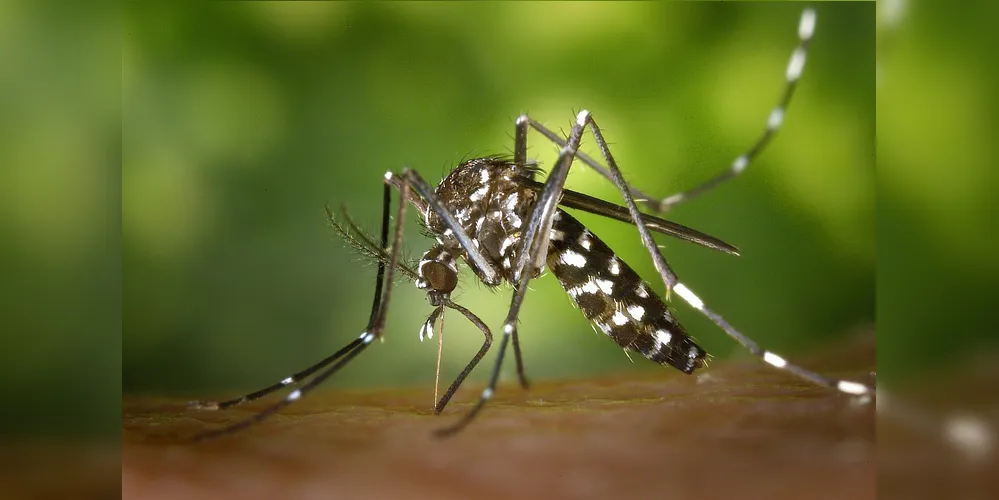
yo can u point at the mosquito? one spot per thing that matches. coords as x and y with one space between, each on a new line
493 215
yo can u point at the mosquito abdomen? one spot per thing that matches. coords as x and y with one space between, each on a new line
615 298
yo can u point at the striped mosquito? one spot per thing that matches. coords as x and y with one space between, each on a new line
506 226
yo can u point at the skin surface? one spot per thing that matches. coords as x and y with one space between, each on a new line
741 430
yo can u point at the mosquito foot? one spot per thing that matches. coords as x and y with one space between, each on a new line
203 405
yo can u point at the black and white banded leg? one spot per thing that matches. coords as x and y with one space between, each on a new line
475 359
536 240
376 325
795 67
436 274
673 283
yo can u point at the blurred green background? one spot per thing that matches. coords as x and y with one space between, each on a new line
241 120
60 232
938 275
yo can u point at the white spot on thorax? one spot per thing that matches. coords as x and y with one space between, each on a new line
507 243
514 220
511 201
641 291
584 240
484 176
479 193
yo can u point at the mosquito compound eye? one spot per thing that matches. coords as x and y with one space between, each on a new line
440 277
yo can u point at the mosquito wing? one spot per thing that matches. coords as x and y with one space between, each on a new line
587 203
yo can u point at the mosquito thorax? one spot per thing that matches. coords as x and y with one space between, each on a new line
491 206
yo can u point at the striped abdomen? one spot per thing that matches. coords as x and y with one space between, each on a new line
615 298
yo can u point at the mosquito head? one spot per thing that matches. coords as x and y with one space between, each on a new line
438 274
439 277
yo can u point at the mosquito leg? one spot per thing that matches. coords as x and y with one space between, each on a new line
520 158
352 350
520 140
521 375
673 283
375 326
294 379
377 307
648 199
806 28
298 377
863 391
669 277
475 360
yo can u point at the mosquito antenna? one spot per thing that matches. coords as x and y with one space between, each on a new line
363 244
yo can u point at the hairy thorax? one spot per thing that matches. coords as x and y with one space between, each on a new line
491 207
